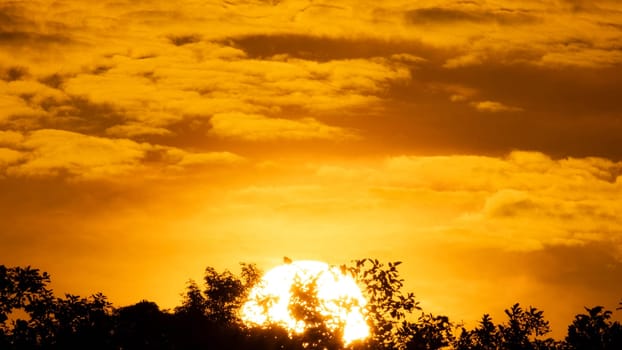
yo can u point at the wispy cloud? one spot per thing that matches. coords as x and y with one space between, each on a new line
493 106
444 16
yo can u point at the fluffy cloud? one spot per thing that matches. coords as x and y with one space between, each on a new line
256 127
10 137
50 152
151 72
157 92
12 106
8 156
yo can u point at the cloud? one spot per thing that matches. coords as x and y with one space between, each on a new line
8 156
52 152
520 202
540 32
469 59
156 73
154 93
48 153
256 127
508 203
325 48
10 138
13 106
179 40
492 106
457 98
444 16
207 158
193 159
570 56
134 129
13 73
26 38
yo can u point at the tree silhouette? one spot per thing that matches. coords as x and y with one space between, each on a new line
222 296
595 331
484 337
523 328
430 332
78 322
194 303
388 306
19 287
33 318
142 326
522 331
305 307
223 292
51 322
210 315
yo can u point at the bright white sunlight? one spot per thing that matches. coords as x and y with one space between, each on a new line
339 299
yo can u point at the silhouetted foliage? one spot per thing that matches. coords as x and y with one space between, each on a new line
210 316
305 306
269 337
594 331
523 330
142 326
31 317
483 337
223 294
19 287
51 323
194 303
428 333
388 306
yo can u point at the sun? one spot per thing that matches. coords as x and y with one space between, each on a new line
340 300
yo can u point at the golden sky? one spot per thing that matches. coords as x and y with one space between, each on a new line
477 141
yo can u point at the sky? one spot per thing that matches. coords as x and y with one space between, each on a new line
476 141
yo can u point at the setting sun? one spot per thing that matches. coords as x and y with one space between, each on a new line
340 299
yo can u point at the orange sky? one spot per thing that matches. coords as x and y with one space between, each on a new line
477 141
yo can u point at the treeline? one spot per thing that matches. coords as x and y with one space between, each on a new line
32 317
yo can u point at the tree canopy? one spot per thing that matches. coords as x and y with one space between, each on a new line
32 317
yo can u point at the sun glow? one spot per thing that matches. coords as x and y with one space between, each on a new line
340 300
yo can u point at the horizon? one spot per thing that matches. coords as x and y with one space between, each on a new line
498 315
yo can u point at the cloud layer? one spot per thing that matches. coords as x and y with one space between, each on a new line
149 73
